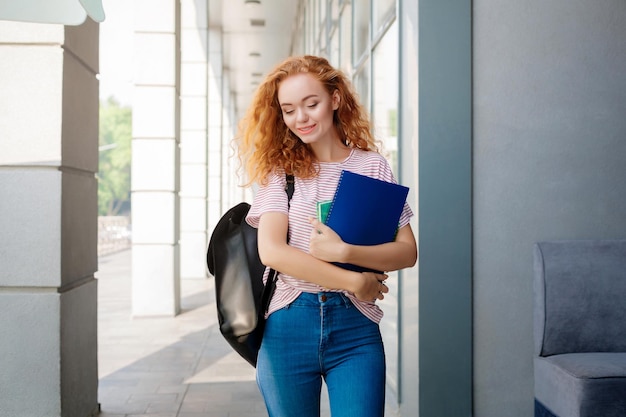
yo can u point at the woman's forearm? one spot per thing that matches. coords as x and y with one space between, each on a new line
328 246
277 254
386 257
298 264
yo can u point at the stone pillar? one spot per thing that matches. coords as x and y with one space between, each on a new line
193 190
155 180
230 180
215 80
48 218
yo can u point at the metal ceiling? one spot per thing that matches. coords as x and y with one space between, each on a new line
257 34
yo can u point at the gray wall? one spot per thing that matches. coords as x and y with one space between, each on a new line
549 162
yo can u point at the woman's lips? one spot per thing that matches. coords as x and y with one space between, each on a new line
305 130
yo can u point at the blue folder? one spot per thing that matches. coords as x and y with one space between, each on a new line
366 211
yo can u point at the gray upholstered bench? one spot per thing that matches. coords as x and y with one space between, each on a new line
580 328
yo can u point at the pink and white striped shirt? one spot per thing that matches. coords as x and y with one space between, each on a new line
272 198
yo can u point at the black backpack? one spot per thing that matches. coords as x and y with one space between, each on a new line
241 298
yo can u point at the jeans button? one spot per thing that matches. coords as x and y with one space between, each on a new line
323 298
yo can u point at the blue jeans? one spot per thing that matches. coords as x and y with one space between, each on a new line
322 336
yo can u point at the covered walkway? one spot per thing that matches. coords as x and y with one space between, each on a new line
167 366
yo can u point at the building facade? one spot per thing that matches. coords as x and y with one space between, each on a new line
504 119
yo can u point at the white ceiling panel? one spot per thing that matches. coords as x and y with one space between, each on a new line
257 36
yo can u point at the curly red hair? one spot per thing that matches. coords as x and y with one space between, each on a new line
265 143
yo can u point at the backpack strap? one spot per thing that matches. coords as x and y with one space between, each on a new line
289 188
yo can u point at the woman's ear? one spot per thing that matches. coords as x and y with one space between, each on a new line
336 99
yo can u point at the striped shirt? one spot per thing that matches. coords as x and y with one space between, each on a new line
307 192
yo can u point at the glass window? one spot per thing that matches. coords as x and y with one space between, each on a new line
303 34
315 27
385 87
299 46
362 84
308 15
334 48
385 91
361 33
345 40
323 29
334 10
382 11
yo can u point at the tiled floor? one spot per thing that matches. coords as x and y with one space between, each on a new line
167 367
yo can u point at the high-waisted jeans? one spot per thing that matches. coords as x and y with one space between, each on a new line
322 336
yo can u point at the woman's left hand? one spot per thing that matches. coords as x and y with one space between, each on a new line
324 243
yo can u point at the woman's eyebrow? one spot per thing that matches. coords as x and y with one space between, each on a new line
304 99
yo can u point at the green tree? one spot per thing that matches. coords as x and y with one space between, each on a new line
114 158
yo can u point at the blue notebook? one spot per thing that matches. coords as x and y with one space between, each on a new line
365 211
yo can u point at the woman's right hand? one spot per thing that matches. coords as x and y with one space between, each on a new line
371 287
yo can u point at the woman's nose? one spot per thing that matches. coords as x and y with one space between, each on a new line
301 115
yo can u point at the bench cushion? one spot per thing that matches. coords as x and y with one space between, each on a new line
580 293
582 384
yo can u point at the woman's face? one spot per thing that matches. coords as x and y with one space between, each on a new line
307 108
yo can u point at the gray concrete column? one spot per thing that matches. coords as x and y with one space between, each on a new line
48 219
445 208
194 136
156 159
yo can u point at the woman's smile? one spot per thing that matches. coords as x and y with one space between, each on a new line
306 129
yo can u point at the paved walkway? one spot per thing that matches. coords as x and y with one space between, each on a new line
168 367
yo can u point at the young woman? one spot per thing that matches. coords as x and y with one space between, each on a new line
323 320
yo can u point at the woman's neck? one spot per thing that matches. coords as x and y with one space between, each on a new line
330 151
332 154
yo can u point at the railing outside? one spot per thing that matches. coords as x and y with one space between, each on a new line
114 234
